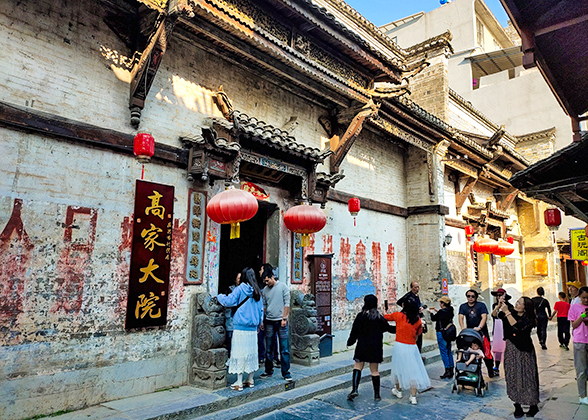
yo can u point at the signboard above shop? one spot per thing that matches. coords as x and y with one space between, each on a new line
578 244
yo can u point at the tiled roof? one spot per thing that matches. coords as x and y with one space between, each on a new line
280 139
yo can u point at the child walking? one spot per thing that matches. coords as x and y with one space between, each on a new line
368 330
560 309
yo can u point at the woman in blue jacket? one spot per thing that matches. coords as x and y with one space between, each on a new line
246 321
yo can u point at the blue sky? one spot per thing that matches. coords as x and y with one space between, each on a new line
380 12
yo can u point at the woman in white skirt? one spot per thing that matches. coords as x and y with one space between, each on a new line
246 298
498 343
408 369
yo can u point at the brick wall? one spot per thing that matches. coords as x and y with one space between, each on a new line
535 150
430 88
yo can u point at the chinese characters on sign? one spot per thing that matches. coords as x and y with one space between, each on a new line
297 263
578 244
321 288
196 237
150 255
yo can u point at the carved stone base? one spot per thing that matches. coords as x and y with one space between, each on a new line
211 378
204 359
305 358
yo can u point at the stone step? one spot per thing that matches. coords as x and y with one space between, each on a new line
188 402
257 404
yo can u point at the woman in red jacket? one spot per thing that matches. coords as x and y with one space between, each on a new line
408 369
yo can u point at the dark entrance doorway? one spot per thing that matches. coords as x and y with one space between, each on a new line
246 251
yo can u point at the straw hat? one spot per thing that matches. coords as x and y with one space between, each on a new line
576 284
445 300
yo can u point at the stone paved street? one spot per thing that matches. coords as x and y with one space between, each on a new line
559 397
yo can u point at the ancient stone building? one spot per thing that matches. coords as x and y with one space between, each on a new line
297 101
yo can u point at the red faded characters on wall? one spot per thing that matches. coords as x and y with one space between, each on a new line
15 252
74 264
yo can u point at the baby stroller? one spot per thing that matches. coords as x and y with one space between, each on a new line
469 375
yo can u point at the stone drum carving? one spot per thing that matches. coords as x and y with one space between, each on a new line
303 325
208 335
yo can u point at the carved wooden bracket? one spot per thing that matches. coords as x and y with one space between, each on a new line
341 146
507 202
144 72
461 196
224 104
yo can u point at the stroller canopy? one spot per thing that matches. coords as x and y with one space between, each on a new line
467 336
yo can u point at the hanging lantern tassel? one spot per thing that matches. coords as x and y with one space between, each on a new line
354 205
305 240
235 230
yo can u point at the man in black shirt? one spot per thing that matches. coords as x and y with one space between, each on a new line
541 305
474 314
414 296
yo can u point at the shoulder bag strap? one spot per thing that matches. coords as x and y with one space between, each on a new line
239 305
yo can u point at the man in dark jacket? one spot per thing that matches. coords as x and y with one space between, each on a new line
413 295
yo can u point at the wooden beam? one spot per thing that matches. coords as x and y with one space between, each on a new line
144 72
28 120
461 197
366 203
352 132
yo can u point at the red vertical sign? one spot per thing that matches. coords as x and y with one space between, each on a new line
150 255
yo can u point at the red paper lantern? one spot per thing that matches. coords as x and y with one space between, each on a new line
485 246
144 147
584 263
469 231
305 219
354 206
232 207
503 249
552 218
510 240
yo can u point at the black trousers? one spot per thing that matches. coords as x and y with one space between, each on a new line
542 330
563 330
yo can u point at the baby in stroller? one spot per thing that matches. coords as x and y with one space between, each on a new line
468 367
474 352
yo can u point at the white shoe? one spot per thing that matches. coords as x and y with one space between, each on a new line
413 400
396 393
584 400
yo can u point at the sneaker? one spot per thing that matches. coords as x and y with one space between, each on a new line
566 347
266 375
584 400
288 378
413 400
543 346
277 363
396 393
248 384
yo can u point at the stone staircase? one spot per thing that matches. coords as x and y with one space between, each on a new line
187 402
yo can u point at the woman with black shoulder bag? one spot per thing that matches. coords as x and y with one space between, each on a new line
446 333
